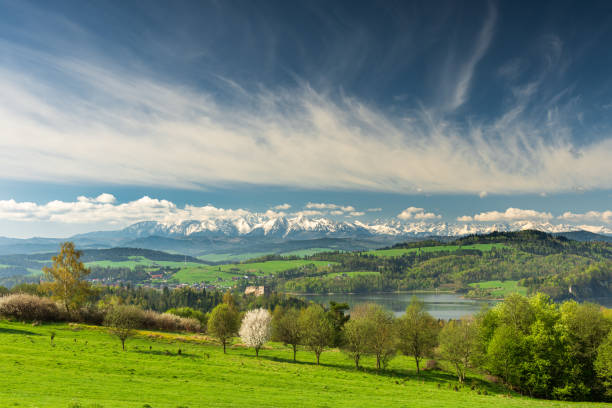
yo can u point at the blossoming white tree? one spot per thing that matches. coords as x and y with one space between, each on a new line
255 328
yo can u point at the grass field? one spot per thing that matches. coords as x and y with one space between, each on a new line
86 368
501 289
452 248
352 274
307 252
139 260
231 257
226 257
204 273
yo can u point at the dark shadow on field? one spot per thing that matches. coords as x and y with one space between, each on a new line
6 330
403 375
166 353
446 380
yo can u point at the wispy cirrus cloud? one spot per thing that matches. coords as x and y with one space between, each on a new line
465 73
125 125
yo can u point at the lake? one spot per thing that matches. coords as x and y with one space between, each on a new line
439 305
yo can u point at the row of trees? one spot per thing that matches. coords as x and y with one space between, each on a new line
533 345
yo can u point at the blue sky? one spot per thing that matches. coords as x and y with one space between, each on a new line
457 108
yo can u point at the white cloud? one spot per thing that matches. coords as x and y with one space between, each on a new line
511 214
282 207
483 194
328 206
307 213
336 212
417 214
590 216
124 127
356 213
465 218
377 209
466 71
99 209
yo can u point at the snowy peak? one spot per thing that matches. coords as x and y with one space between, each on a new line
303 227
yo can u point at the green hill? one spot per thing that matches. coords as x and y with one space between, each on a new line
86 368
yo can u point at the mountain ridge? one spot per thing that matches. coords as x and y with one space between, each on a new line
260 232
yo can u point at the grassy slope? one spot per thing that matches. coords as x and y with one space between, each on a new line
499 288
402 251
87 367
140 260
211 273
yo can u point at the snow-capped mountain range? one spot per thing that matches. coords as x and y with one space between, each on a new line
261 233
303 227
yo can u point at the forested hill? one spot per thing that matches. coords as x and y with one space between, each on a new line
533 260
14 266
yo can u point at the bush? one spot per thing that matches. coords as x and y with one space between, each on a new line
22 306
188 312
168 322
88 315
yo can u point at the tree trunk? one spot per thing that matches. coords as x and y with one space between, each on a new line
123 344
318 354
224 347
294 350
416 359
357 362
256 351
378 361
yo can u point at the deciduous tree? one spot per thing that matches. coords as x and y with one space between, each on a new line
123 320
223 323
317 330
459 344
67 277
286 327
418 332
255 328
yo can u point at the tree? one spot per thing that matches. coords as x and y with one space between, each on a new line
67 277
370 330
418 332
317 330
583 329
286 327
338 317
255 328
603 364
459 344
357 333
123 320
223 323
505 354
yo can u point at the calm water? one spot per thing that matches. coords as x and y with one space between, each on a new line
439 305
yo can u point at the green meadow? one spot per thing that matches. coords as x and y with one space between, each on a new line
402 251
227 257
205 273
501 288
134 261
86 368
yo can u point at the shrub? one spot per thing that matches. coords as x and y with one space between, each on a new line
432 365
168 322
22 306
123 320
188 312
88 315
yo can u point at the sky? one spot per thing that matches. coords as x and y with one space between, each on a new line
442 111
